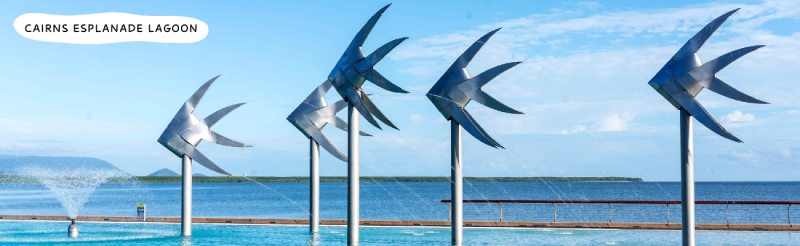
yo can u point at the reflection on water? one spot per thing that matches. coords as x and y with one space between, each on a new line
313 239
55 232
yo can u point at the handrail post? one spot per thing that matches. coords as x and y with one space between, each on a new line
667 213
449 211
453 215
501 211
727 213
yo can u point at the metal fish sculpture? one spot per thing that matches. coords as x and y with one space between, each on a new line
684 76
185 131
355 67
314 113
455 89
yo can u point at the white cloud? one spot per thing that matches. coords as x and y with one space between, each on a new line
55 127
417 117
744 155
785 152
574 130
556 43
614 123
590 5
738 117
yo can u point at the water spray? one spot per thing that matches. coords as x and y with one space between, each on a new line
73 230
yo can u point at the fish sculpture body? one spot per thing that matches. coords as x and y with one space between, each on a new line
456 88
684 76
314 114
185 131
355 67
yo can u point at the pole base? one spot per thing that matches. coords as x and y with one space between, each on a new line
72 231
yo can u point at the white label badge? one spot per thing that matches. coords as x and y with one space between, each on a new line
106 28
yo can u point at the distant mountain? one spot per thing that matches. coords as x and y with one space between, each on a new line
8 163
164 172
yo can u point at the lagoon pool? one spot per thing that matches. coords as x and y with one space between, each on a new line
109 233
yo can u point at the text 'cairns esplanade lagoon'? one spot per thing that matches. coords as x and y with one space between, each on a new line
569 145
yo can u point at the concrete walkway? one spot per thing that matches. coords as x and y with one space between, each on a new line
516 224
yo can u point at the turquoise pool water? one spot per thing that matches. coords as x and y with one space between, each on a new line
55 233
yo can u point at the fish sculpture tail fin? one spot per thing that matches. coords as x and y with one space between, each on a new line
370 61
216 116
714 66
377 112
705 75
472 88
331 110
195 154
326 144
473 128
355 98
716 85
376 78
695 109
222 140
366 67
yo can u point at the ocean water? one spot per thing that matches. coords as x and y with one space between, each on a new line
422 201
400 201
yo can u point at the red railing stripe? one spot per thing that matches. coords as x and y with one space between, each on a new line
627 201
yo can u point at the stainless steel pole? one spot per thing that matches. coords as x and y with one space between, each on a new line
186 197
352 175
314 189
687 179
456 187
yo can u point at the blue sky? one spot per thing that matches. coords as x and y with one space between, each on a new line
583 86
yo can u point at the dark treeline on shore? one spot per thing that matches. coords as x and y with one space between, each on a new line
156 179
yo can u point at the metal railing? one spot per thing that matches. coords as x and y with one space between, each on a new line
611 210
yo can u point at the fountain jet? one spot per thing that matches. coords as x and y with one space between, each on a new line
181 137
454 90
349 74
679 81
310 117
